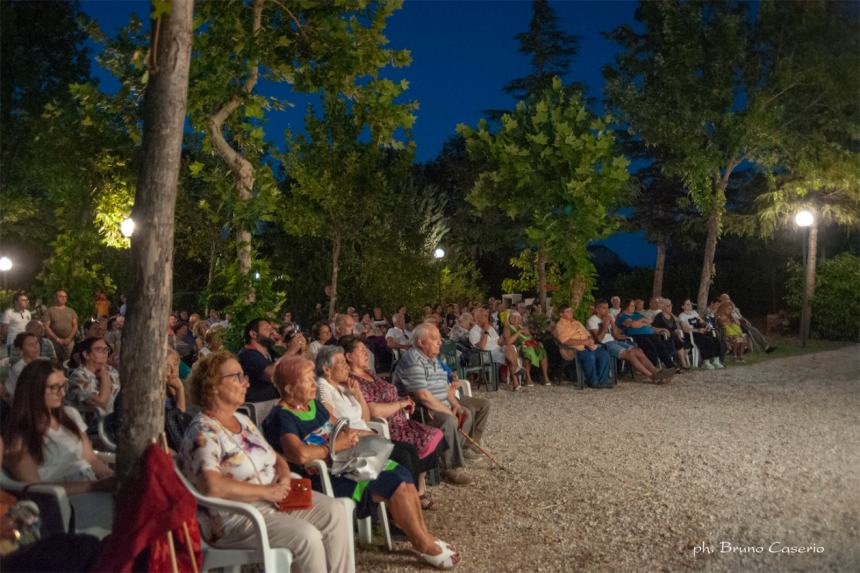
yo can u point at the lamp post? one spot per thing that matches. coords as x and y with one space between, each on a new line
439 254
5 267
806 218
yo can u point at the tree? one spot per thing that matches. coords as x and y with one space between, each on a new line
716 87
550 49
554 163
339 183
152 246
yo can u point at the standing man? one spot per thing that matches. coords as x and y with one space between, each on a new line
257 362
61 324
14 320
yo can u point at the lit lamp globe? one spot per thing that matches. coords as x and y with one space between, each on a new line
438 253
804 218
127 227
5 264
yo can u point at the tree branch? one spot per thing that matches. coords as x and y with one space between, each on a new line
292 16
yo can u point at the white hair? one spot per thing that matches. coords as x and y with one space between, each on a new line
422 331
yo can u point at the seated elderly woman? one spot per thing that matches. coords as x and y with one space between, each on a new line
300 427
702 334
517 334
94 382
635 325
733 333
47 442
417 443
669 323
321 334
460 330
225 456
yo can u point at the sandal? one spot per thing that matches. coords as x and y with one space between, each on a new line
428 504
448 558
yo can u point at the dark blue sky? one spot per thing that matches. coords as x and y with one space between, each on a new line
463 53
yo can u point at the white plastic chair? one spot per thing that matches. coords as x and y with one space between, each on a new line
51 499
277 559
365 525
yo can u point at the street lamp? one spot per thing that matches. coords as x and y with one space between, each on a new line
806 219
127 227
439 254
5 267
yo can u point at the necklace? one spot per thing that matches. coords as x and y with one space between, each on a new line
296 407
239 446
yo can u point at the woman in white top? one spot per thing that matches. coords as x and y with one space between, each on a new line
340 395
321 334
29 348
46 440
702 334
95 382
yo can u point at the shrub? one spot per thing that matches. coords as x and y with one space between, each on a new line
836 304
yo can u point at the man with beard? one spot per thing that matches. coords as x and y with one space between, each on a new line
257 361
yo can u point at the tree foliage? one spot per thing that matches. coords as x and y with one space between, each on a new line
554 163
835 305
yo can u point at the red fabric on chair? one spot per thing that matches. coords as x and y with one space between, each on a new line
155 502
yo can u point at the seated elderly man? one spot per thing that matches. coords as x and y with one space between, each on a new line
485 337
594 359
420 371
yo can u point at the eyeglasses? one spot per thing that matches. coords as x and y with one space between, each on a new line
239 376
57 388
101 349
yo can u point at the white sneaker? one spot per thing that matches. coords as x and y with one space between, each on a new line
707 365
717 363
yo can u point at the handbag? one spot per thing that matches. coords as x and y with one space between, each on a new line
364 461
300 496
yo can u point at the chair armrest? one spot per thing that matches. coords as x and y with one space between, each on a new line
380 426
55 493
244 509
103 436
465 388
322 469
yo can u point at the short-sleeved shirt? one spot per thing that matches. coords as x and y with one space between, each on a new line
567 329
84 384
344 404
594 323
61 320
418 372
243 456
16 322
399 335
633 331
253 363
691 320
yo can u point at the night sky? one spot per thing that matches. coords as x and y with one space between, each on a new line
463 53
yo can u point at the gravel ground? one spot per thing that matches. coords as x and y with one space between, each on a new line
661 478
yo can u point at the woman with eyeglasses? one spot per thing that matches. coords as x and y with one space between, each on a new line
46 441
224 455
94 382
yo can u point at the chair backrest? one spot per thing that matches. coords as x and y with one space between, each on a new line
55 510
249 409
263 409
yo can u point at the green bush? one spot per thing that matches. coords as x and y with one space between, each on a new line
836 305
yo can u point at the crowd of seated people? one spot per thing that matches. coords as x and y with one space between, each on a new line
342 368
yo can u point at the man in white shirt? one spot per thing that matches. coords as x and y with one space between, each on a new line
397 338
615 309
602 327
14 320
485 337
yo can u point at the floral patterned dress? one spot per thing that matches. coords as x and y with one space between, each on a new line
402 429
244 456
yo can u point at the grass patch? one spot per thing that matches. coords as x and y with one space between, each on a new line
790 346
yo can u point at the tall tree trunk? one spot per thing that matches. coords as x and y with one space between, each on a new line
809 289
577 291
708 260
659 269
541 265
241 167
335 267
144 342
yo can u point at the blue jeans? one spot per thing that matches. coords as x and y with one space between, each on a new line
595 366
